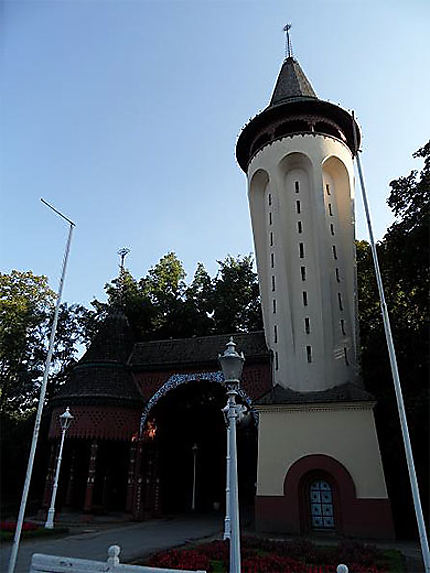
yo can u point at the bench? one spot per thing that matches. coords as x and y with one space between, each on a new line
41 563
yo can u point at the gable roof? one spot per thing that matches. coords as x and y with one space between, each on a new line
196 350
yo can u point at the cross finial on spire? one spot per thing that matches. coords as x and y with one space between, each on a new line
288 45
122 253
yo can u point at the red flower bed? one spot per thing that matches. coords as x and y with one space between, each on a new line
271 556
11 526
181 559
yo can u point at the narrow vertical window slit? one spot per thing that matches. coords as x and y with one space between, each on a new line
309 353
334 252
342 326
345 354
299 227
307 325
301 250
305 298
303 273
296 186
298 206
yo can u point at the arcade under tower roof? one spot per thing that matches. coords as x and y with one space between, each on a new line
294 109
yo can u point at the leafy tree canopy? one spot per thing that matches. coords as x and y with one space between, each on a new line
26 314
404 261
162 305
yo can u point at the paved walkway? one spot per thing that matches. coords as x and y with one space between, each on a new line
138 539
135 540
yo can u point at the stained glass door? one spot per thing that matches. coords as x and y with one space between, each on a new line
321 505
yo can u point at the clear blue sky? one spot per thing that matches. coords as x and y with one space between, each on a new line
125 114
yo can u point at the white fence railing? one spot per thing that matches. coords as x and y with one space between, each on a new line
41 563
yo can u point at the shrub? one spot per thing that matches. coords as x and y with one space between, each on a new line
11 526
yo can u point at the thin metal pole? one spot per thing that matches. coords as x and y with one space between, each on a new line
51 511
234 495
227 524
395 373
26 488
193 502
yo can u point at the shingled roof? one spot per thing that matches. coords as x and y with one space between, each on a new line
102 375
294 109
196 350
113 341
344 393
291 83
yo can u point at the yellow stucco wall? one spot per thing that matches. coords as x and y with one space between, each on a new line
345 432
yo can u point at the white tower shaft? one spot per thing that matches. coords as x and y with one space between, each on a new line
301 201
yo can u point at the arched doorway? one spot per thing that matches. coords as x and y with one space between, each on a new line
188 415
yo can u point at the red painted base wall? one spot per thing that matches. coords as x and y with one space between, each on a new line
365 518
290 513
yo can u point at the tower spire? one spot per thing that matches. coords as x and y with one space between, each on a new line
288 45
122 253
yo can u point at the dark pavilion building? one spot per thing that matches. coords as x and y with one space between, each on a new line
308 455
139 409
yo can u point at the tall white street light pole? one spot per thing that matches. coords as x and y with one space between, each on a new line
26 488
65 420
232 366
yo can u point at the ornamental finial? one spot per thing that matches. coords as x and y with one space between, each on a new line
122 253
121 278
288 45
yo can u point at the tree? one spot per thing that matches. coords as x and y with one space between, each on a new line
25 302
236 298
26 314
199 302
404 261
162 305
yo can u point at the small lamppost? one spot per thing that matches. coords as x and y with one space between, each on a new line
232 366
65 421
193 501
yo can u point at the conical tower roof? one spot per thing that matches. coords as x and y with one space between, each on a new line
291 83
295 109
113 342
103 375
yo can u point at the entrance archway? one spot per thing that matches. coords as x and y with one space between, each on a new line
191 414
